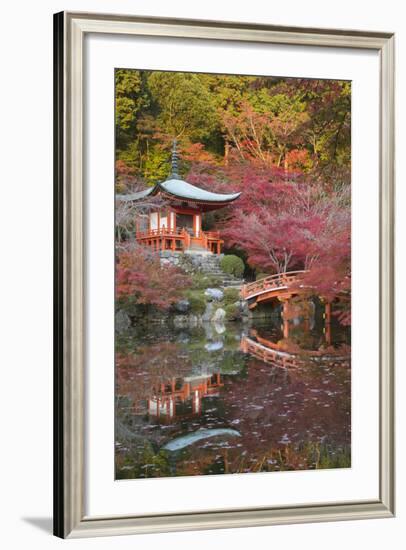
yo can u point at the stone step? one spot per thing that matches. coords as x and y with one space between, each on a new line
219 273
210 265
223 275
231 281
231 286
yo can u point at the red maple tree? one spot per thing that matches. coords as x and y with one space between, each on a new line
289 225
141 277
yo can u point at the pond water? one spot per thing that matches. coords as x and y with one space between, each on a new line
232 398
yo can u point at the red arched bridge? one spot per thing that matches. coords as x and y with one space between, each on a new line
275 286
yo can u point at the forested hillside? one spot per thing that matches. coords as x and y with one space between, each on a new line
284 143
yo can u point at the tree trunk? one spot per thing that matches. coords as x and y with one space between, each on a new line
226 152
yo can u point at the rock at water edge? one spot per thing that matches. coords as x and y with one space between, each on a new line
219 315
214 294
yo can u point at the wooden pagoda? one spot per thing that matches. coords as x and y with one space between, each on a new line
177 225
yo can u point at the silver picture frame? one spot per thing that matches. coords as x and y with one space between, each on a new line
70 520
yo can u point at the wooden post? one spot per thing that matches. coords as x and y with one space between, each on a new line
285 326
306 324
327 322
327 310
196 402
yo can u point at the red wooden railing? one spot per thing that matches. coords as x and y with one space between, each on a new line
267 355
212 234
206 238
273 282
296 351
186 235
162 232
285 358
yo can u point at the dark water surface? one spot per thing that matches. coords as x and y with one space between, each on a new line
232 398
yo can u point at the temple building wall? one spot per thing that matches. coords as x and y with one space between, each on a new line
153 220
163 222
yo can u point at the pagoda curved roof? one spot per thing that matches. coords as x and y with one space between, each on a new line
135 196
183 190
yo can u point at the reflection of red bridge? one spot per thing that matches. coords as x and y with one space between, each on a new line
271 352
281 285
163 404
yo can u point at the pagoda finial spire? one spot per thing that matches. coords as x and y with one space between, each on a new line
175 159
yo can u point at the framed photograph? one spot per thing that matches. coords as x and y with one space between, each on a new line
224 294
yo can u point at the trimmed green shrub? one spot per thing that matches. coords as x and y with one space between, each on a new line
232 312
213 281
231 295
233 265
197 302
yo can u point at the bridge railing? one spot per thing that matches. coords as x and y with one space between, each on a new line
285 358
279 280
268 355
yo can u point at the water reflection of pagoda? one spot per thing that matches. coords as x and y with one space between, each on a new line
182 397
